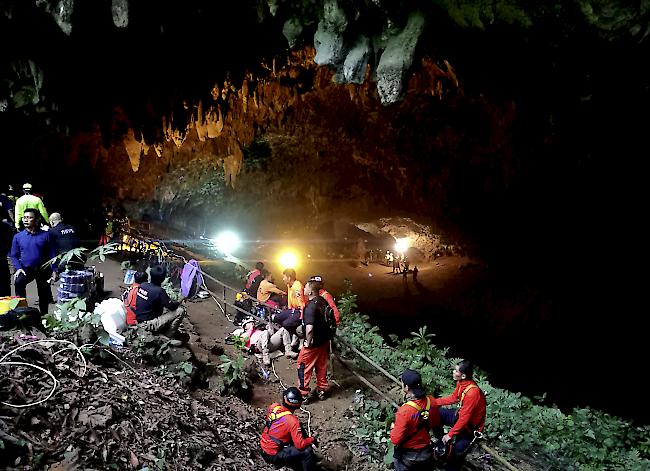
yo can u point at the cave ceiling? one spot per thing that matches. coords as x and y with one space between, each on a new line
462 111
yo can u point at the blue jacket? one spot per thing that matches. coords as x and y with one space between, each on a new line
32 250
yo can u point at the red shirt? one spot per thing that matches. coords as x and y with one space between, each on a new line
129 304
330 300
471 413
286 429
407 421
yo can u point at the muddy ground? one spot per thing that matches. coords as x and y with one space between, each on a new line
329 419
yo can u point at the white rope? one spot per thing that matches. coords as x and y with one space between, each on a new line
302 408
55 382
73 347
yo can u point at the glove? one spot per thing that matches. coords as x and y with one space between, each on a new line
315 442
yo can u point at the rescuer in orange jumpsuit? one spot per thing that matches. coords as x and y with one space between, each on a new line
322 292
283 441
315 351
468 418
413 421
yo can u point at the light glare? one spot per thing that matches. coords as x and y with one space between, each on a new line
227 242
402 245
288 260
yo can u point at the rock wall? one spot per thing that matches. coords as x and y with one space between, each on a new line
294 138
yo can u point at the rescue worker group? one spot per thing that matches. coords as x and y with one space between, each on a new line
302 318
307 317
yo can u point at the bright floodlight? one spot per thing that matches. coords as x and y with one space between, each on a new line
227 242
402 245
288 260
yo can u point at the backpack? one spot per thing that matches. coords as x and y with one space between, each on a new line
330 319
191 279
252 289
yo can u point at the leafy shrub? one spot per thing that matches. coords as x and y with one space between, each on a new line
584 439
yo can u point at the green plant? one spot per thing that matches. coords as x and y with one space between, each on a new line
72 316
81 255
584 439
234 374
184 372
173 292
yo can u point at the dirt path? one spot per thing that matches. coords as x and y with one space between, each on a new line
211 328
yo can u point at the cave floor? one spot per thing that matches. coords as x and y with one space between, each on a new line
209 330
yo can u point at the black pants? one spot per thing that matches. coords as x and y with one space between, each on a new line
461 442
42 286
413 460
298 460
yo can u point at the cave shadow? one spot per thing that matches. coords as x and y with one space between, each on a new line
421 288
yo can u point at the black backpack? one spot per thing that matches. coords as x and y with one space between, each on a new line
252 289
330 319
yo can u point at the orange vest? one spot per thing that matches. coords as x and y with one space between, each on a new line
129 303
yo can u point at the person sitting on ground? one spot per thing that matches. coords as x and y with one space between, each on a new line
290 319
28 201
269 293
468 418
283 440
130 295
315 351
413 422
150 302
250 277
319 285
295 292
267 342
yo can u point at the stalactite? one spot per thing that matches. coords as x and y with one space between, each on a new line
145 146
201 124
120 11
214 122
133 149
244 92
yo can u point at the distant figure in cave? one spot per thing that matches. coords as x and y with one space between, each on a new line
6 235
6 209
415 273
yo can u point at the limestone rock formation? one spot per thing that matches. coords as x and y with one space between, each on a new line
397 58
356 62
120 10
61 11
328 40
292 30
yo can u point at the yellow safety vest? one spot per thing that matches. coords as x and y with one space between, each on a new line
462 396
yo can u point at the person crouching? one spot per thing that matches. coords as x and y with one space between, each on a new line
413 421
283 440
152 300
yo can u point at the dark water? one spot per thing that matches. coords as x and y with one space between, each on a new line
579 351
